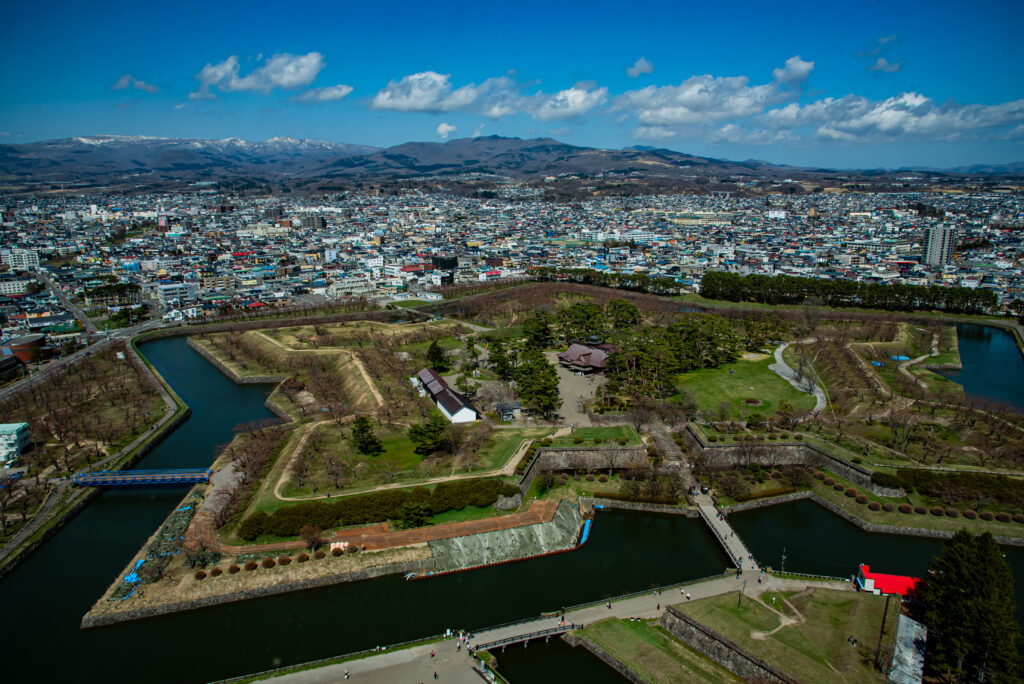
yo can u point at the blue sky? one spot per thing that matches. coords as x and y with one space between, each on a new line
862 84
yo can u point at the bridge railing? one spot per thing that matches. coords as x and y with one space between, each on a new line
529 636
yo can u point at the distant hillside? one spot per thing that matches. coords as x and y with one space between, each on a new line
138 162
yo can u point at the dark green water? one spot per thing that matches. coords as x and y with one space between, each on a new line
554 662
993 367
818 542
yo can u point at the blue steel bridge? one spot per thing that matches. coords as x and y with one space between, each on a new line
136 478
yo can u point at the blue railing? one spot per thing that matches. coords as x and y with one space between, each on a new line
113 478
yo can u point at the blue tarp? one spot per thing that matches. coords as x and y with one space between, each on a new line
901 357
184 508
586 532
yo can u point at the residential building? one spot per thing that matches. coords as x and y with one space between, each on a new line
14 438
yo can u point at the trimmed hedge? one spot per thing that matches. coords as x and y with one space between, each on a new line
970 515
920 510
375 507
952 513
268 563
875 506
233 569
818 475
906 508
216 572
200 575
829 481
284 560
336 551
1018 518
986 516
250 565
937 510
888 507
971 486
1003 517
862 499
838 487
302 557
851 492
320 555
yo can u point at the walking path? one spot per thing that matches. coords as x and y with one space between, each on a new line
794 379
727 537
417 665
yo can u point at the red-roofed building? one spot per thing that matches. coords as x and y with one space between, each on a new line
879 583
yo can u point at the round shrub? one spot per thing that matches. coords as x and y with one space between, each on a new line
352 548
818 475
888 507
302 557
598 440
590 478
320 555
970 515
920 510
838 487
576 477
577 440
850 492
284 560
798 436
336 551
1003 517
952 513
200 575
268 563
250 565
985 515
937 510
216 572
233 569
905 508
862 499
1018 518
712 438
546 442
828 480
875 506
602 478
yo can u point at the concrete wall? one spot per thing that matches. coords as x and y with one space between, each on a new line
729 655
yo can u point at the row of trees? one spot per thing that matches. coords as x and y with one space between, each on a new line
635 282
794 290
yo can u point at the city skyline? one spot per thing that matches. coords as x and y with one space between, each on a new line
916 85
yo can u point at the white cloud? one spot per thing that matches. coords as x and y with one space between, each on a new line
446 129
731 133
128 81
284 71
561 131
5 134
641 66
653 133
885 66
328 94
697 100
794 73
427 91
907 115
478 131
180 105
570 103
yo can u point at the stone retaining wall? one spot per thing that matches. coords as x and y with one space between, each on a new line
639 506
422 565
729 655
783 454
235 377
565 458
608 659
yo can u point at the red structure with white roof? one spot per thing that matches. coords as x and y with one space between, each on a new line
880 583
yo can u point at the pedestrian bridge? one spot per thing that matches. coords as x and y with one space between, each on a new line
136 478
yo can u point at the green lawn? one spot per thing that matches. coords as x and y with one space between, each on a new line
816 649
605 434
504 443
653 653
732 383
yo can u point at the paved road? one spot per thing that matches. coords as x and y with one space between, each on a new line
416 664
794 379
87 324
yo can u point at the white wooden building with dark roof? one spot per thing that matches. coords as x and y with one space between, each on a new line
452 405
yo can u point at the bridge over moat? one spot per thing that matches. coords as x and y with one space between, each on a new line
137 478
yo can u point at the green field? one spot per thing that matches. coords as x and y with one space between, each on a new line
813 646
732 383
653 653
589 436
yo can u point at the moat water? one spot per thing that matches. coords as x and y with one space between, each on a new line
46 596
993 366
